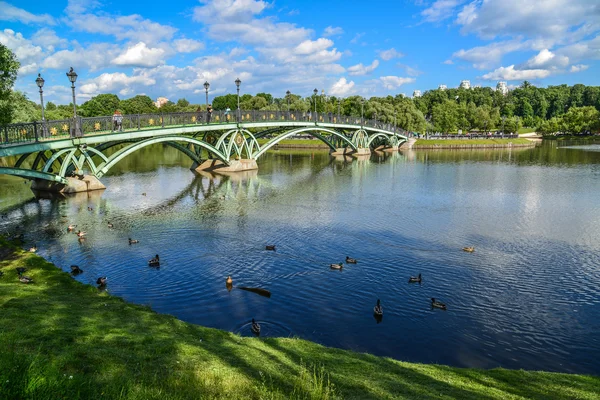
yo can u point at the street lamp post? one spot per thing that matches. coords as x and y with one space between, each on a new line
238 83
362 112
315 99
40 82
287 97
339 104
206 86
75 129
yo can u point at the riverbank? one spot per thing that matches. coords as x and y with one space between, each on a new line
63 339
471 143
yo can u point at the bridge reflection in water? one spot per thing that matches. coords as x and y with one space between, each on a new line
64 160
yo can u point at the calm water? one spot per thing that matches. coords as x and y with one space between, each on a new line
527 298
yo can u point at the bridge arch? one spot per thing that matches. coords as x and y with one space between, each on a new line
124 152
313 131
30 174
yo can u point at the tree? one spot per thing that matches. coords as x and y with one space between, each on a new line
24 110
445 116
101 105
9 66
580 120
137 105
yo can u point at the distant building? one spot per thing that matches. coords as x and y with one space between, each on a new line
502 88
465 84
161 101
417 93
442 87
477 87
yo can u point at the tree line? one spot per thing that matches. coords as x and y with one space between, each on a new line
555 109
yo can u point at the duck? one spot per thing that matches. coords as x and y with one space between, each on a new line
270 247
1 273
255 327
71 227
110 225
81 234
437 304
20 270
25 279
413 279
75 269
154 262
101 281
351 260
469 249
378 309
229 281
133 241
336 266
90 209
33 249
143 194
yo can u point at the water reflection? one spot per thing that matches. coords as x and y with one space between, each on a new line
526 298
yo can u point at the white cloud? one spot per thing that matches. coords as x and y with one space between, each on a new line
490 55
48 39
187 45
394 82
448 62
410 70
341 88
360 69
551 19
109 83
12 13
312 46
511 74
28 69
357 37
228 10
588 49
440 10
578 68
95 57
140 55
387 55
23 48
333 31
546 58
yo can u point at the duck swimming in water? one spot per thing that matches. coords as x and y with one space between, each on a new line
255 327
81 234
229 281
378 309
110 225
437 304
154 262
469 249
336 266
413 279
33 249
71 227
101 281
76 270
133 241
351 260
270 247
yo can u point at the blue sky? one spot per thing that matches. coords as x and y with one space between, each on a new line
345 48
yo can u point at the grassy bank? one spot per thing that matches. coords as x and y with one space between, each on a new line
64 340
470 143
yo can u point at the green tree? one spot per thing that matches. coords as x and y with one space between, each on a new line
24 110
445 116
101 105
9 66
580 120
137 105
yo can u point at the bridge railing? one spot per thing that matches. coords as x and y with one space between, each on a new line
58 129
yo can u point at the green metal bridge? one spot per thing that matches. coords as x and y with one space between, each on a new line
56 151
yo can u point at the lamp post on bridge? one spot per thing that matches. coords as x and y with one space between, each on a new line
362 112
75 129
238 83
40 83
206 86
287 97
315 100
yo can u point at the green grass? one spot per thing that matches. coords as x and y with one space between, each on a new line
526 130
469 142
60 339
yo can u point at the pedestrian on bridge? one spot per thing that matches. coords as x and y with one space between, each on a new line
209 111
227 111
117 121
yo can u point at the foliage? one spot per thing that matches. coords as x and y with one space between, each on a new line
9 66
137 105
101 105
